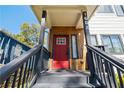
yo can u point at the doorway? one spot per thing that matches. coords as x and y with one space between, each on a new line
60 52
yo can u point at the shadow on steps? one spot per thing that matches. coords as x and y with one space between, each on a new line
62 79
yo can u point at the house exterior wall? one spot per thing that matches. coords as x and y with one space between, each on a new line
107 24
76 64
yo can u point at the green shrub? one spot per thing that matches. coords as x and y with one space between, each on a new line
118 81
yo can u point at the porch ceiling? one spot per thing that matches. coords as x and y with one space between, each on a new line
64 15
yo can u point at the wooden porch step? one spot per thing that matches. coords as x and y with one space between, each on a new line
63 79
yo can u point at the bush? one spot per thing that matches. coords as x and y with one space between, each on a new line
118 81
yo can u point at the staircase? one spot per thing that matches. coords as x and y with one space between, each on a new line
63 79
25 71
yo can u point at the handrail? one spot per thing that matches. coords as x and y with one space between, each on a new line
113 59
106 69
11 67
21 69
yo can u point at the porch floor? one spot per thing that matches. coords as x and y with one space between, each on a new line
63 79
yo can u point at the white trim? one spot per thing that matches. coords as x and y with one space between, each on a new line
114 10
99 39
122 38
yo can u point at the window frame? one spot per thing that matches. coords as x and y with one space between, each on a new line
62 39
121 42
95 38
122 8
76 47
46 32
112 10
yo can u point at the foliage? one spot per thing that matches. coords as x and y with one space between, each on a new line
29 34
118 81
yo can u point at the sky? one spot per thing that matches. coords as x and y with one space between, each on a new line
13 16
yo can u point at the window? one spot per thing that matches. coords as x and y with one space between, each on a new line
119 10
46 38
94 40
61 41
74 46
112 44
105 9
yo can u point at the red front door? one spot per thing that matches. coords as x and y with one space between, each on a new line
60 53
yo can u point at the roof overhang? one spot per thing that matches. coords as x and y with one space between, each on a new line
64 15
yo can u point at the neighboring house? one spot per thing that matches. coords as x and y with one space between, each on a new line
107 28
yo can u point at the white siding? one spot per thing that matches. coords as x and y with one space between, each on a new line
107 23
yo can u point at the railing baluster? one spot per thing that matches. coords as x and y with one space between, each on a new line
34 63
97 66
14 80
104 76
113 76
20 76
108 73
120 78
2 41
24 76
3 84
31 67
29 64
93 56
7 83
100 68
91 66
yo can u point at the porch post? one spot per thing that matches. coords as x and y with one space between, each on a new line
89 57
40 65
43 23
86 28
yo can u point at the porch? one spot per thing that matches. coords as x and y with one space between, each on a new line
36 67
65 22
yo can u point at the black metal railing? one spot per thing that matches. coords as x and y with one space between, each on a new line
10 48
23 71
106 70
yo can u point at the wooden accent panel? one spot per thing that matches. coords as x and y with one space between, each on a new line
76 64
